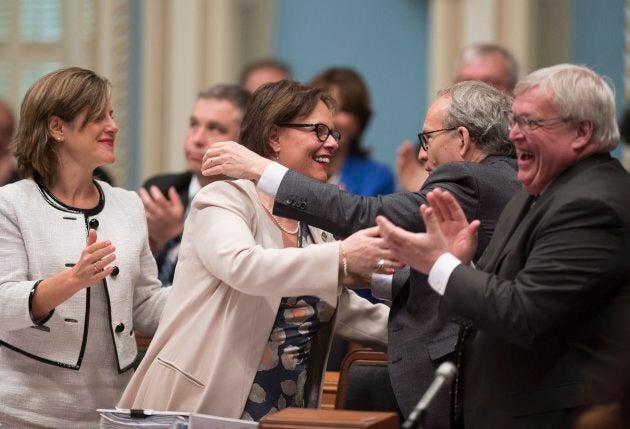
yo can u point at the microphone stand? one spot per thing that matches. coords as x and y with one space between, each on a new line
443 377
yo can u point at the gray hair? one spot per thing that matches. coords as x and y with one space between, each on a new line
485 49
579 94
483 110
235 94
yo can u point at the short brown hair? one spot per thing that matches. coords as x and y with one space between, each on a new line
65 93
354 98
275 103
235 94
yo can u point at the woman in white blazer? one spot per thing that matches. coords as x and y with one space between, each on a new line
70 302
247 328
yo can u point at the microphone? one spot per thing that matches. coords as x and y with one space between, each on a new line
444 375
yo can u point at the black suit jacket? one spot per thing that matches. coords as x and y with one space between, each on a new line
549 304
181 182
418 340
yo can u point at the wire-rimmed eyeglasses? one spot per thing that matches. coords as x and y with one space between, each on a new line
527 124
426 136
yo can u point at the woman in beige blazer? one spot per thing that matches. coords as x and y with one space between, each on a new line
247 328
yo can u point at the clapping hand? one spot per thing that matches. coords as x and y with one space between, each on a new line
95 260
447 230
410 173
165 217
460 236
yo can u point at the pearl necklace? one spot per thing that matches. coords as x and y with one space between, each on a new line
277 222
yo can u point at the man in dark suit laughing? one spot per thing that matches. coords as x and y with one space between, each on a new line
546 311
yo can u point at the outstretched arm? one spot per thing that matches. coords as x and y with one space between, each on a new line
447 231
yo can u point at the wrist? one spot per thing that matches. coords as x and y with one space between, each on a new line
343 261
69 281
259 168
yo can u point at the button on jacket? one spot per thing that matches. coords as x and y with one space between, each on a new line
41 239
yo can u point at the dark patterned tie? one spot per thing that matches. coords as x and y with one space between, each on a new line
169 261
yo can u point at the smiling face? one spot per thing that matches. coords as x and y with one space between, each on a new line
544 152
300 150
212 120
89 145
444 145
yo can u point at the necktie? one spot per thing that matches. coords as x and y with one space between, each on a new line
169 261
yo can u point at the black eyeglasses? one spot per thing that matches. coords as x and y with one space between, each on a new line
321 130
526 124
424 137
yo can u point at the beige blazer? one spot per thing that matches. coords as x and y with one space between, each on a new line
231 275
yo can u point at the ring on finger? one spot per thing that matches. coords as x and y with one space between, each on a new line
96 269
210 160
380 264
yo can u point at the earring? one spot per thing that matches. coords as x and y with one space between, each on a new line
278 157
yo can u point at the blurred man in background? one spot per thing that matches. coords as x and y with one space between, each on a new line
216 116
264 71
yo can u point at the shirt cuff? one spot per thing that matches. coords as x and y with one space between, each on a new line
31 296
441 271
381 285
271 178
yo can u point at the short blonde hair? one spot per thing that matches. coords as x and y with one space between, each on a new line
579 94
65 93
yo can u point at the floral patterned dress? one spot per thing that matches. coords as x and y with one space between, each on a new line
279 382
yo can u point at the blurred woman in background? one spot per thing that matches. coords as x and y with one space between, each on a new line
351 167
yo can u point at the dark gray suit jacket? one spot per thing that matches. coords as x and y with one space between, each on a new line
418 340
181 182
548 307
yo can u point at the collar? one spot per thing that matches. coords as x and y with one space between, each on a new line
193 187
50 198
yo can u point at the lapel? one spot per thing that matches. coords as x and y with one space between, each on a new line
320 236
516 221
510 221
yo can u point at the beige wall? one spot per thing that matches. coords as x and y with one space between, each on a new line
522 26
187 46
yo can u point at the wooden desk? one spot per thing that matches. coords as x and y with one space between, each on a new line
329 396
305 418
